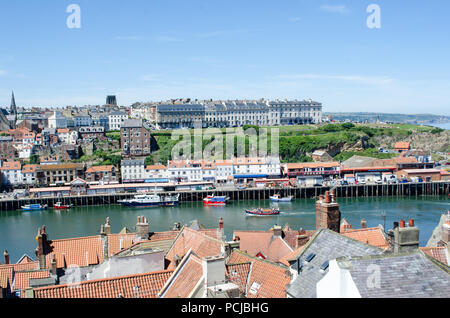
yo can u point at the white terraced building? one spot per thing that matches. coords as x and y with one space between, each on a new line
238 113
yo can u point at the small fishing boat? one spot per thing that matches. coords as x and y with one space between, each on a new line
215 200
262 212
151 200
60 206
34 207
278 198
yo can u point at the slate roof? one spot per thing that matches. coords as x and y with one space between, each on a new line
326 245
401 276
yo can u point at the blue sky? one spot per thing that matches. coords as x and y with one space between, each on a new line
144 50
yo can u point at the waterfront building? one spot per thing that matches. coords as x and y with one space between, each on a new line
185 170
156 173
426 175
237 113
246 169
116 119
12 173
29 173
102 174
135 138
133 170
224 172
57 120
57 174
304 171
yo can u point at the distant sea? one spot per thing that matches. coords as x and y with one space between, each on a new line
443 126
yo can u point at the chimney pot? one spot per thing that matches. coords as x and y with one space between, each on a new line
6 255
395 225
402 223
221 223
411 222
363 224
327 197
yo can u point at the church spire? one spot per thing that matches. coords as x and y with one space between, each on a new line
13 109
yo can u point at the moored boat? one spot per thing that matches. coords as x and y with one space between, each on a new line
151 200
34 207
263 212
215 200
278 198
60 206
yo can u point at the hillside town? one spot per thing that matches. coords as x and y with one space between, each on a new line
335 259
42 151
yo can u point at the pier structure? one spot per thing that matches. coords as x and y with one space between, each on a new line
345 191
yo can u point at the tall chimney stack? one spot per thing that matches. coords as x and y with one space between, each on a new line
328 215
142 228
405 238
6 255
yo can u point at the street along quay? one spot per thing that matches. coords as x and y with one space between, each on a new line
437 188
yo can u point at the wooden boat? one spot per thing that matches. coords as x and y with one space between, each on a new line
34 207
278 198
60 206
263 212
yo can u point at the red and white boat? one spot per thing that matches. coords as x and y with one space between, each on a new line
60 206
215 200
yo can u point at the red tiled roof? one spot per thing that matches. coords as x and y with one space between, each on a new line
185 278
201 244
116 241
82 251
302 165
238 274
438 253
402 145
292 255
254 242
22 279
100 168
373 236
271 278
15 165
8 271
145 285
155 167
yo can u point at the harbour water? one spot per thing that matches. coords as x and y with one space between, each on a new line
18 229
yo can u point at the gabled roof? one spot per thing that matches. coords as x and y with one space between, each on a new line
264 279
402 145
272 247
326 245
440 253
107 168
238 274
373 236
401 275
186 278
145 285
201 244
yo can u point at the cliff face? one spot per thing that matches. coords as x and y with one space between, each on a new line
425 141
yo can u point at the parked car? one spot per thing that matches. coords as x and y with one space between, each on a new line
241 187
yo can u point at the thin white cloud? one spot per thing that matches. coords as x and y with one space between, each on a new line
294 19
340 8
165 38
375 80
129 38
150 77
2 72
